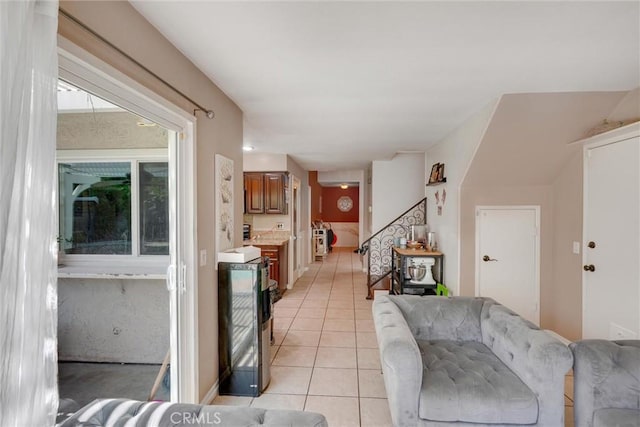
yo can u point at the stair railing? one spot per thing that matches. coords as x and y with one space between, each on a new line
377 248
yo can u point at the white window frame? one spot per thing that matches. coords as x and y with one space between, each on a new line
79 67
117 263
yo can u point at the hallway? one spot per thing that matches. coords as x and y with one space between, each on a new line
325 356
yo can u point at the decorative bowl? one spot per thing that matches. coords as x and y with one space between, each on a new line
413 244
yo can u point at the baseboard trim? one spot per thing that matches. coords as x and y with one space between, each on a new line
211 394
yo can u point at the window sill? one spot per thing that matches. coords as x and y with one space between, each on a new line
113 272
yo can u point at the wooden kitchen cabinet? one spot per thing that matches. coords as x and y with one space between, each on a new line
275 185
278 263
274 262
265 192
253 193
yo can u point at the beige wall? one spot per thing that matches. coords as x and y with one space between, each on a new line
396 185
456 152
628 108
123 26
264 162
564 314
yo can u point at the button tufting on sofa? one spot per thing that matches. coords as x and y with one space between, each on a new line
467 360
606 383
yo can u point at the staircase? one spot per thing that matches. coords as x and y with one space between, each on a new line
377 248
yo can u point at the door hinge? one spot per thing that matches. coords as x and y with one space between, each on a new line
182 136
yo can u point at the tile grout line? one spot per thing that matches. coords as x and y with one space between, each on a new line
334 270
357 351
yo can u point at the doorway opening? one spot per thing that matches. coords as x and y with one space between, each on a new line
127 220
113 210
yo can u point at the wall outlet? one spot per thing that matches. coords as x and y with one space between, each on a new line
617 332
280 225
203 257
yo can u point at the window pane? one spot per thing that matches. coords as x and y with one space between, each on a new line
154 209
95 208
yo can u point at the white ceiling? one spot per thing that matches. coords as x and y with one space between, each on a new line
339 84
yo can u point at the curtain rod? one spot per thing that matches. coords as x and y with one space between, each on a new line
209 113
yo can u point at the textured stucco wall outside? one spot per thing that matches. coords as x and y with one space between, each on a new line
105 320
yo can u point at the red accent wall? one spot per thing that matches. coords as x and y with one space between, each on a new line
330 211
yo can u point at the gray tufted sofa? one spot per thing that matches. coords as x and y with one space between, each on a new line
467 361
606 383
132 413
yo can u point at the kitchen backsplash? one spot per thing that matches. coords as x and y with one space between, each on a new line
261 223
271 234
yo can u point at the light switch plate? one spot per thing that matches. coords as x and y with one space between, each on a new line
280 225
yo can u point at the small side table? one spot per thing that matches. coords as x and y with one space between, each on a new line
399 276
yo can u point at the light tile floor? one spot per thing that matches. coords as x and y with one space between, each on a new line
325 355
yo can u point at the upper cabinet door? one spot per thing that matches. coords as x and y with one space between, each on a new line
253 193
275 193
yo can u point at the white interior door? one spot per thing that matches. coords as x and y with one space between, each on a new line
508 257
611 293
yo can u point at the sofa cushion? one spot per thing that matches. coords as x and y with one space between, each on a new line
614 417
463 381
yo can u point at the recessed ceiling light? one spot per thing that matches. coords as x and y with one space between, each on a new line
248 148
344 186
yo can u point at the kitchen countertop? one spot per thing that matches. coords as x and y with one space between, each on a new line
266 242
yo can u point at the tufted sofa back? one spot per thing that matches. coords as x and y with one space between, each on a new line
438 318
606 376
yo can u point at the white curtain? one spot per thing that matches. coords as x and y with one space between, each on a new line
28 312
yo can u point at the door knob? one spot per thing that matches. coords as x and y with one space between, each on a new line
589 267
487 258
591 244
